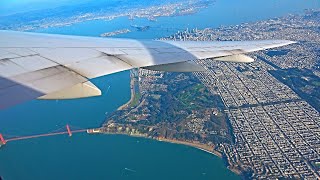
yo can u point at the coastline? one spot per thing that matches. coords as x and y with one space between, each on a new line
132 81
203 147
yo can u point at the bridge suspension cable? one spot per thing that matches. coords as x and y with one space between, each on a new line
66 130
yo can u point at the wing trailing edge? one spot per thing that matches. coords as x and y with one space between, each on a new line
81 90
187 66
240 58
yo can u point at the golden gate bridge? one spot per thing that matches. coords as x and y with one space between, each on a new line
60 131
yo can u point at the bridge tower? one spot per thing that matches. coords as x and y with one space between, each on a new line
3 141
69 131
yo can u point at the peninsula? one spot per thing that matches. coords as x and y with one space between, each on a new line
252 115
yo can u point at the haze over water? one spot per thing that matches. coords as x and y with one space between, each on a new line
109 156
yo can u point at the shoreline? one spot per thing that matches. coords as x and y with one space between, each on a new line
203 147
126 105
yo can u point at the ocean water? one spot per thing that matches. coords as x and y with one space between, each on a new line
107 157
114 156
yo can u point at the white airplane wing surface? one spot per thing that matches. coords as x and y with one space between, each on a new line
59 67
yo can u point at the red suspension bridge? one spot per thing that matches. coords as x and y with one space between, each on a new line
64 130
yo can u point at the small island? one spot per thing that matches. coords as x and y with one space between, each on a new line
114 33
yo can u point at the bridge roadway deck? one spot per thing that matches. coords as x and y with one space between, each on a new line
44 135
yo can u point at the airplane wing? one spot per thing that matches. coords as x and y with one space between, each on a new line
48 66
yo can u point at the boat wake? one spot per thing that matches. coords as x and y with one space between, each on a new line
131 170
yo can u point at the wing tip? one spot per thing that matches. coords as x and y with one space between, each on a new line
288 42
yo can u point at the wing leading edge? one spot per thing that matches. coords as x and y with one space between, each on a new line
59 67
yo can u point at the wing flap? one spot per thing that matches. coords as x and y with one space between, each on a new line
100 66
81 90
65 56
188 66
30 85
235 58
48 80
151 59
33 63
